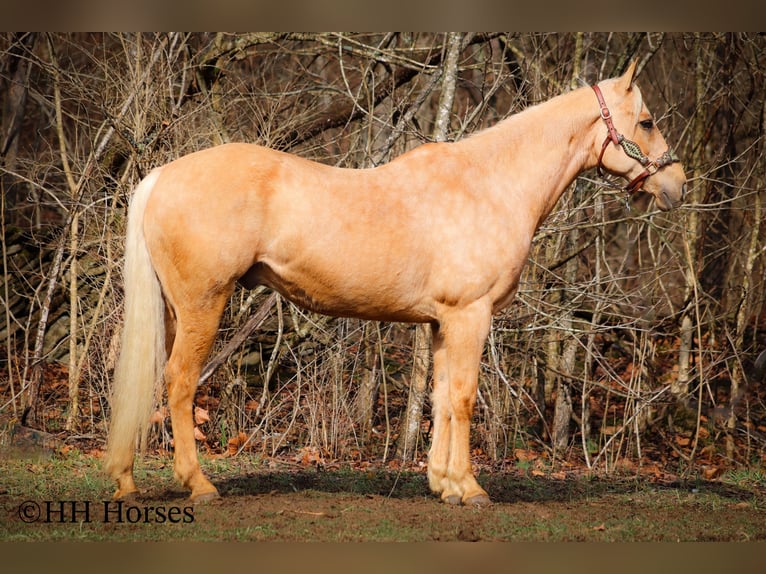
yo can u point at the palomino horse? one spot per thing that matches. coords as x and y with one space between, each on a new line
438 235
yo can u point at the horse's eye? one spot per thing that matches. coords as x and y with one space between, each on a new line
647 124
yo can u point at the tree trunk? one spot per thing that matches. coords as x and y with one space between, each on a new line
421 360
364 403
14 106
680 387
744 305
15 102
74 375
563 409
562 414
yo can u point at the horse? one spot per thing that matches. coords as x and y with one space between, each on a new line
438 235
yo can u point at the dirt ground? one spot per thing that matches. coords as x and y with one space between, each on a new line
386 506
350 505
55 492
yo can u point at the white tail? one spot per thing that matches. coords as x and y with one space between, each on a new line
138 374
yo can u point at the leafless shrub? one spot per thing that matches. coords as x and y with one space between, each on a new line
631 326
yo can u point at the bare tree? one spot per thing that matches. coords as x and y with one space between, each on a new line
628 323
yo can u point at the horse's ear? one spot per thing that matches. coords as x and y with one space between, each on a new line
627 79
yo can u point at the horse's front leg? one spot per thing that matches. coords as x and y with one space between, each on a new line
458 345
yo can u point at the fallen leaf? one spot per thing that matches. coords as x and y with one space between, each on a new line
600 528
683 440
711 472
652 469
236 442
524 455
200 415
308 455
198 434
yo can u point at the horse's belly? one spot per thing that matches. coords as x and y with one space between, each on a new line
341 296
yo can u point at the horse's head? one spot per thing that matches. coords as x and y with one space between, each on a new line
634 148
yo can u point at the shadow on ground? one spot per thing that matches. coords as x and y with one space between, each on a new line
509 487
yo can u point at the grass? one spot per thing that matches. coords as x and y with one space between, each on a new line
746 477
285 503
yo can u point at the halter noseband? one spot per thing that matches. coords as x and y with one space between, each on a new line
631 149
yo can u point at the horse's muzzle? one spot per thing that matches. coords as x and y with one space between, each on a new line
667 199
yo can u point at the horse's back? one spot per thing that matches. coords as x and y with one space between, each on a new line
390 243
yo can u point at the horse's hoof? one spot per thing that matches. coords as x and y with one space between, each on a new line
478 500
204 497
453 499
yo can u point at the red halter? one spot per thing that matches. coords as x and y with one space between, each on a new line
631 149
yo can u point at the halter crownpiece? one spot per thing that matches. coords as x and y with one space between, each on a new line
631 149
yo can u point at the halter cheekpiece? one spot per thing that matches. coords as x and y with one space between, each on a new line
631 149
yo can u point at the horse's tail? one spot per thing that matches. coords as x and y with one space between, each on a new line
138 374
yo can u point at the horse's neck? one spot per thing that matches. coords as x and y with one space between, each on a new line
541 150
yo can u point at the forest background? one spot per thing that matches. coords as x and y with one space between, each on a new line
634 341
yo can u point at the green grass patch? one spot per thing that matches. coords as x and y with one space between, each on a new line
71 495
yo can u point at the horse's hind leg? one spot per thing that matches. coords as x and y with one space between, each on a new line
458 345
196 328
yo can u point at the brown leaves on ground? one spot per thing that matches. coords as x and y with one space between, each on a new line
308 456
236 443
201 416
524 455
